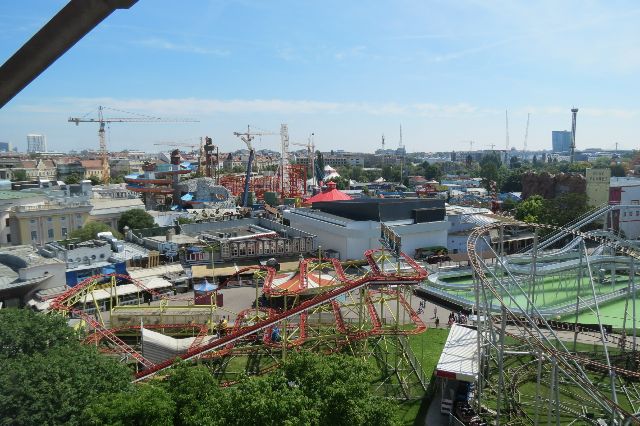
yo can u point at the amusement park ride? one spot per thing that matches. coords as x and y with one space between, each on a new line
360 307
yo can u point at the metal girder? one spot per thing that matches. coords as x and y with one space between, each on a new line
63 31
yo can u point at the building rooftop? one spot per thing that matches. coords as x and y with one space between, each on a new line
15 195
18 257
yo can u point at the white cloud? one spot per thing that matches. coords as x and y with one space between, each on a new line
196 107
161 44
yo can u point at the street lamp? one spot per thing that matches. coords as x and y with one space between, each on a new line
213 268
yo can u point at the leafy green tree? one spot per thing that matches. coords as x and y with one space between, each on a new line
618 170
341 182
432 171
531 209
19 175
117 179
95 180
491 170
135 219
338 385
51 379
565 208
270 401
72 179
24 332
90 230
197 397
145 405
509 204
513 182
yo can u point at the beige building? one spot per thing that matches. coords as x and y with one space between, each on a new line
598 186
109 210
92 168
47 221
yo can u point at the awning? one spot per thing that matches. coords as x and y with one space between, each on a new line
459 358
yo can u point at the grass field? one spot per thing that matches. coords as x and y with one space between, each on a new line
427 347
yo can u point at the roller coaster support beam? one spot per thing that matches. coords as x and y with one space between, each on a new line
612 373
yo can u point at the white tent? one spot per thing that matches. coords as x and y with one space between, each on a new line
459 358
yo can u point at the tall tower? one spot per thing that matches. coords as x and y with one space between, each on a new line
574 113
506 118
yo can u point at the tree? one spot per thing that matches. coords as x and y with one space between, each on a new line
341 182
514 163
90 230
509 204
95 180
144 405
135 219
565 208
617 170
531 209
51 379
513 182
117 179
338 385
72 179
24 332
491 170
432 171
19 175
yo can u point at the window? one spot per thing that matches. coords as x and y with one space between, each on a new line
8 238
6 222
49 219
50 233
33 221
63 218
64 232
34 235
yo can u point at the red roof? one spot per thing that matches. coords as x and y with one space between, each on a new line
330 194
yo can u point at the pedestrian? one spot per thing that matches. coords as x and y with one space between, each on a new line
435 312
437 322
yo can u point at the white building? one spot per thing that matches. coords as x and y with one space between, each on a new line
36 143
351 227
625 191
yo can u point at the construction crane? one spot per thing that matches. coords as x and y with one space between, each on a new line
139 118
247 137
311 151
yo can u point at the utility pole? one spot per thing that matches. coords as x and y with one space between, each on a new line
526 137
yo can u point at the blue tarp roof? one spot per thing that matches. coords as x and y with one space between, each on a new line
187 197
205 286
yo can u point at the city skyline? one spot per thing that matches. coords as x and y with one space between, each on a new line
446 72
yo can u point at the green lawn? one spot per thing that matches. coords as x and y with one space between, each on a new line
427 347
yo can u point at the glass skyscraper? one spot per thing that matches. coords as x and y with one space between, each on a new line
561 140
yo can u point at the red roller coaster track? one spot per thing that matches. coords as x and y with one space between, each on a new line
413 275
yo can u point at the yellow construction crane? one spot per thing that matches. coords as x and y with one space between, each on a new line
137 118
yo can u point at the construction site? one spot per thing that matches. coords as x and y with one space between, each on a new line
160 184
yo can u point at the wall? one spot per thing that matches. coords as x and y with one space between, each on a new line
628 218
59 218
352 238
598 186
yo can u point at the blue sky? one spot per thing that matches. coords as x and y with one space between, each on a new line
347 71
